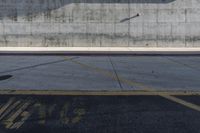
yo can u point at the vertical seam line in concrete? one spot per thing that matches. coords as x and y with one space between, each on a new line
129 23
158 25
119 82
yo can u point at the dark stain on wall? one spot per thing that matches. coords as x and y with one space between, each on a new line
28 8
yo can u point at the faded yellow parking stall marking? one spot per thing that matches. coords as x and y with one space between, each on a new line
25 116
183 102
6 105
63 114
11 108
133 83
79 114
11 119
111 75
41 112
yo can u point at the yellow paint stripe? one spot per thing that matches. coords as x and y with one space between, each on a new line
79 113
11 119
183 102
6 105
17 125
112 75
63 114
11 107
41 112
133 83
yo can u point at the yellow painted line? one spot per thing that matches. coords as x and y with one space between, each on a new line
11 119
98 93
17 125
79 114
111 75
63 114
11 107
6 105
41 113
133 83
182 102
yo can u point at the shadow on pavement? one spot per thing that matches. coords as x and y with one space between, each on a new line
99 114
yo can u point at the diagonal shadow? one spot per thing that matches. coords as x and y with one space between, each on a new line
5 77
127 19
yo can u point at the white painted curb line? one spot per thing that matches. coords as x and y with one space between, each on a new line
99 50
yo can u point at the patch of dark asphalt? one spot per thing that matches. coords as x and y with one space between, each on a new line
103 114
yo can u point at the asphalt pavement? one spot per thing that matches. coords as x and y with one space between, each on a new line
100 72
99 94
97 114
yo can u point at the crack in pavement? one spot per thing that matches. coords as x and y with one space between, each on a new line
37 65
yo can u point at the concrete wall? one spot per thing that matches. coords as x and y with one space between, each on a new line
161 23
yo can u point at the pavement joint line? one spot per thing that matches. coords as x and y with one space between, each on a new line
128 82
109 74
119 82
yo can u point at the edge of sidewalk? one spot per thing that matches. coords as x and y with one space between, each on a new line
101 50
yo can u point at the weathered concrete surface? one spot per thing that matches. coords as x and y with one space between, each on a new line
98 73
91 23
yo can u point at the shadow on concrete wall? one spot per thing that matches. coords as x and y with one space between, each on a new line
15 8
